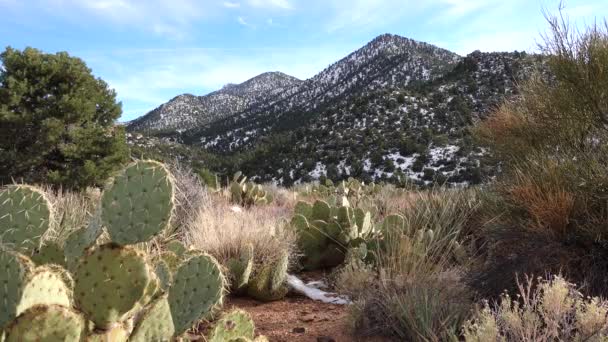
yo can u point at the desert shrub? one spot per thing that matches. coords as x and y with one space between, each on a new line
420 293
549 214
548 310
190 196
225 231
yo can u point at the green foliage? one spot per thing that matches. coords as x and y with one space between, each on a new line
56 121
551 142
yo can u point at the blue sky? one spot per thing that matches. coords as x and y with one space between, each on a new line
153 50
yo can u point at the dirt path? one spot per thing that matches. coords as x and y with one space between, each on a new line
299 319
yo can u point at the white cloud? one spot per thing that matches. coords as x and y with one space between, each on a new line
229 4
244 22
281 4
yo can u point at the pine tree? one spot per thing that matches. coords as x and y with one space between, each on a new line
57 121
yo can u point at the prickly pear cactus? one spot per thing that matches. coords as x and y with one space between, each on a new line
48 323
234 324
45 286
80 240
240 269
163 272
25 215
176 247
303 208
138 203
13 277
109 282
155 323
49 253
269 284
197 288
326 233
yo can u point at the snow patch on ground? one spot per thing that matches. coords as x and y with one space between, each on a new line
312 290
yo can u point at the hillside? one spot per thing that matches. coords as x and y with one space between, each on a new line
188 111
394 110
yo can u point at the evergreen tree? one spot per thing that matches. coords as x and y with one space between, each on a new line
56 121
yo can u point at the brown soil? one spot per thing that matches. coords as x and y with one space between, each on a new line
280 320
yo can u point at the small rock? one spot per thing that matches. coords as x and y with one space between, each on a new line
325 339
307 318
299 330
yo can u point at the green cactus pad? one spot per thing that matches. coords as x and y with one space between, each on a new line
240 268
155 324
46 323
321 211
80 240
279 272
45 286
25 215
13 277
172 260
198 286
259 286
138 204
109 281
269 284
304 209
176 247
49 253
235 324
163 272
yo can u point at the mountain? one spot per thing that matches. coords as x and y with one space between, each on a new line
395 110
188 111
385 62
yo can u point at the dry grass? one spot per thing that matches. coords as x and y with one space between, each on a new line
73 210
223 230
551 311
419 293
550 207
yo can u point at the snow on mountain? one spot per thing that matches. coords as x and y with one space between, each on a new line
188 111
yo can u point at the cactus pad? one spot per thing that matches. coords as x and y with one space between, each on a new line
269 283
240 268
163 272
80 240
303 208
42 323
155 324
234 324
109 281
50 253
45 286
321 211
14 270
138 204
176 247
197 288
25 215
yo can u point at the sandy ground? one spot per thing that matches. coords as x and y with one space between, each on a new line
299 319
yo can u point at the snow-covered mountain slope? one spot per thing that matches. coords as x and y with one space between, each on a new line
393 110
385 62
188 111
